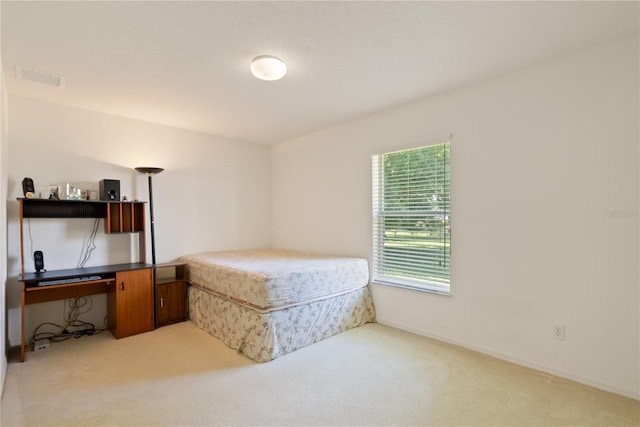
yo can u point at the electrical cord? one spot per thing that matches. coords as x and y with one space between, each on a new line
86 251
74 327
74 307
91 245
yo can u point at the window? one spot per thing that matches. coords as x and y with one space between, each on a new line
411 218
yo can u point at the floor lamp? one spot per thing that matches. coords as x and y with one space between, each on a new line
150 172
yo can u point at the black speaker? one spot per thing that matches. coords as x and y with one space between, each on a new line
27 187
110 189
38 260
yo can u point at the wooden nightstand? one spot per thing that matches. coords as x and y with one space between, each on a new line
171 293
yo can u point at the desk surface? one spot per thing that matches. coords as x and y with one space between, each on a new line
78 272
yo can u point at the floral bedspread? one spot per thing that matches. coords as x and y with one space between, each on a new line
266 336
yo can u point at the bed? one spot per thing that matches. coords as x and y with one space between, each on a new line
267 303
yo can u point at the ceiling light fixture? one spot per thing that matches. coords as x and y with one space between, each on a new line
267 67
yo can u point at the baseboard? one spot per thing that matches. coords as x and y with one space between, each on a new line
527 364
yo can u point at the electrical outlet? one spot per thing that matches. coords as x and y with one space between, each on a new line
558 332
41 345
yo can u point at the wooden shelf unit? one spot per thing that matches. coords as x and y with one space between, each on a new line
124 217
119 217
129 287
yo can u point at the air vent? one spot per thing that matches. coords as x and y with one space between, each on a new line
43 77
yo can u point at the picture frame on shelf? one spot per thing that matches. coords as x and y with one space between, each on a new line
54 192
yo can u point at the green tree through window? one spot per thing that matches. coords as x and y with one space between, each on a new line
411 218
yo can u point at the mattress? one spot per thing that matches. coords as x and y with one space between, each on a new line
271 279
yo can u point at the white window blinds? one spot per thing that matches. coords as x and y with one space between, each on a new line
411 218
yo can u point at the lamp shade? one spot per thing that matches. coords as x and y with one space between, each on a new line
267 67
149 171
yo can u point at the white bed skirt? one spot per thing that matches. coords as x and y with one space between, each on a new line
264 336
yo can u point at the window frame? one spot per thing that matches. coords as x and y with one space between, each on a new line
441 285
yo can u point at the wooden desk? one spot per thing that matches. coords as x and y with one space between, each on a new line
129 289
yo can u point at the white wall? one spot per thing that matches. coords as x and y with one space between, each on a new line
214 193
544 212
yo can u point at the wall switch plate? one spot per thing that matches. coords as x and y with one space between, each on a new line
558 332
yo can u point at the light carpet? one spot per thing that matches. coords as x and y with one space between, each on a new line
369 376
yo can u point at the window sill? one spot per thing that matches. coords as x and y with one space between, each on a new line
414 288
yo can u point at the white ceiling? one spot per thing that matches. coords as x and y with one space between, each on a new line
186 64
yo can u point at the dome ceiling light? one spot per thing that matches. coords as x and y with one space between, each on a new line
267 67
